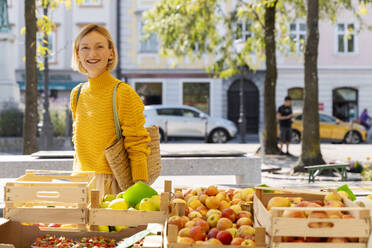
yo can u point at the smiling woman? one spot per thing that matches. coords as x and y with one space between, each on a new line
94 54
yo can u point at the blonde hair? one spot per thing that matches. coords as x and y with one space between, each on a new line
76 65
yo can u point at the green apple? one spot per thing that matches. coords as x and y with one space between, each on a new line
118 228
104 204
120 195
103 228
109 197
146 205
155 199
119 204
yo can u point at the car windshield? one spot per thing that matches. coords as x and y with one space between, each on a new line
322 118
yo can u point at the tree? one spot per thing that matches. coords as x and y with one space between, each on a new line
213 30
310 151
31 114
30 144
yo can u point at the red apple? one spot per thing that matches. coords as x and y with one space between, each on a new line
225 237
213 233
229 213
197 233
244 214
203 224
224 223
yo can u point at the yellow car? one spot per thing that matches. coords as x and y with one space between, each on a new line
331 129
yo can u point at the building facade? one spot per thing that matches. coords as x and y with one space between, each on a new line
68 22
345 67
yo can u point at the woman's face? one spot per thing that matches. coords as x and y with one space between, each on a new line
94 53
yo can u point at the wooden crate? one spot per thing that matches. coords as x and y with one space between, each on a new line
278 227
171 232
49 197
115 217
13 234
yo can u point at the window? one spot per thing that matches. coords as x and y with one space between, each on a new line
92 3
150 93
345 35
169 111
189 113
345 103
52 45
298 35
297 95
149 45
197 95
242 31
326 118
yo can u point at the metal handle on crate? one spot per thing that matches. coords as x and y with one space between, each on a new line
48 194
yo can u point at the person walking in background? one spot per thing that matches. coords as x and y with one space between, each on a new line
284 115
364 118
94 54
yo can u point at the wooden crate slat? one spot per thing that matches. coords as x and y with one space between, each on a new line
318 245
115 217
262 216
35 193
47 215
341 227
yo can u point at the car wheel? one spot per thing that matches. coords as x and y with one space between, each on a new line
352 137
218 136
296 137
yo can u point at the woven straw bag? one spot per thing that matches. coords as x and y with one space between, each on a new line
117 156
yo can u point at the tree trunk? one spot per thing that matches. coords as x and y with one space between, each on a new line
310 150
31 114
270 130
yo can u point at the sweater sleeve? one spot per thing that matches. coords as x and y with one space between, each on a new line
132 120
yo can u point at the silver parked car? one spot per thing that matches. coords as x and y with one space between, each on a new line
187 121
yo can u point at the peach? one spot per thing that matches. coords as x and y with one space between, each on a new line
184 232
211 191
246 231
185 240
293 214
224 223
224 204
237 241
213 211
203 224
213 241
212 202
244 221
244 214
177 221
278 201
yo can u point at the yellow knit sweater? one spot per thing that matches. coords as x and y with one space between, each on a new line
94 127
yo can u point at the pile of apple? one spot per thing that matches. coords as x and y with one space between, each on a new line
214 216
63 242
332 199
111 201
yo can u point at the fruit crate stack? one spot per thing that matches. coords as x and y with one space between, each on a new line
42 196
304 219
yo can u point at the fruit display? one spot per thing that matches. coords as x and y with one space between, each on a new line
214 216
54 241
311 218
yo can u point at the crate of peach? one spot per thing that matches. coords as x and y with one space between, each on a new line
212 216
294 218
46 197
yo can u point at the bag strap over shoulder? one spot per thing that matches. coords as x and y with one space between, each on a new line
78 93
116 116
